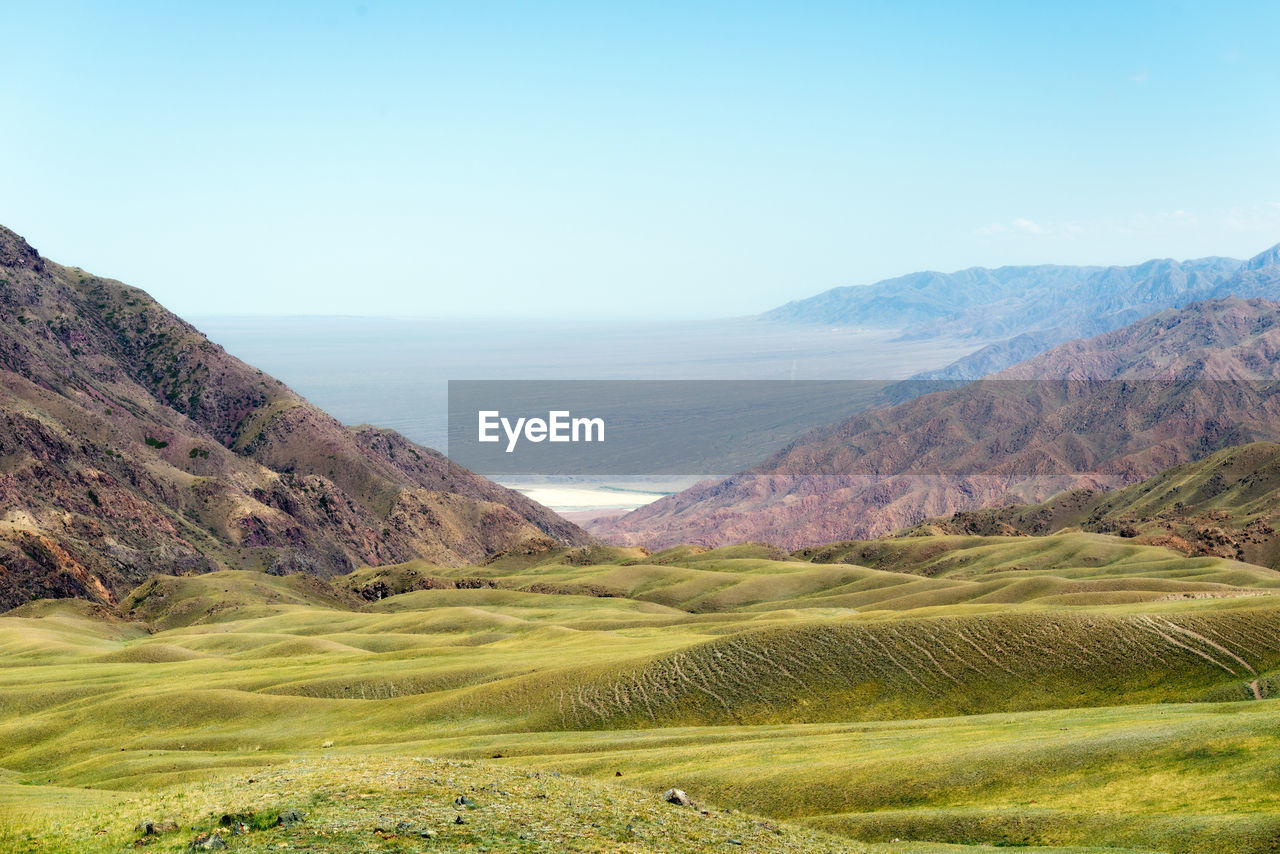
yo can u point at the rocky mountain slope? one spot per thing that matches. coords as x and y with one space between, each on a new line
1102 412
132 445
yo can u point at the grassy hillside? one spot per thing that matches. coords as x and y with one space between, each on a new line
951 690
1226 505
358 805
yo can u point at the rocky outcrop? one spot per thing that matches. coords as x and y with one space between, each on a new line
132 445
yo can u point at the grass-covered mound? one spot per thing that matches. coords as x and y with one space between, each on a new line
393 805
1071 690
1227 505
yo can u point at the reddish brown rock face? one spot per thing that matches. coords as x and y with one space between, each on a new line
131 445
1101 412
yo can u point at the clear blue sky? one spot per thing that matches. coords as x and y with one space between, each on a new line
626 160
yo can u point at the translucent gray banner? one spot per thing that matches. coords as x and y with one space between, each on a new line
639 427
856 427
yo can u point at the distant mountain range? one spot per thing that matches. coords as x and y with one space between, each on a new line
132 445
1105 411
1023 311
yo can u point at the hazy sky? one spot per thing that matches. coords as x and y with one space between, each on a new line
638 160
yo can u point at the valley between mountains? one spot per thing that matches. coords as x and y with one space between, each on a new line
1039 612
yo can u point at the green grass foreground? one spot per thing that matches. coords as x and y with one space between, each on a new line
1071 693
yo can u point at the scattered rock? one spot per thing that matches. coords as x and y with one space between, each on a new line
401 828
327 744
289 818
207 842
464 801
677 797
459 820
475 584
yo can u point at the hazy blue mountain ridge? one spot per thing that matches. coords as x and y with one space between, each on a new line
1023 311
1007 301
925 297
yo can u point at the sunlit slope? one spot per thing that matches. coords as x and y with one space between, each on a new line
49 630
1194 778
1095 563
1227 504
246 688
949 688
894 574
166 602
1172 778
1185 777
354 805
939 667
235 660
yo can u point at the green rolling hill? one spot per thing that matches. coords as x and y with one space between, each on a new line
1227 505
955 690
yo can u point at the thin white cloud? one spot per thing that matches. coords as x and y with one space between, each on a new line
1171 228
1264 217
1140 77
1178 217
1136 223
1018 225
